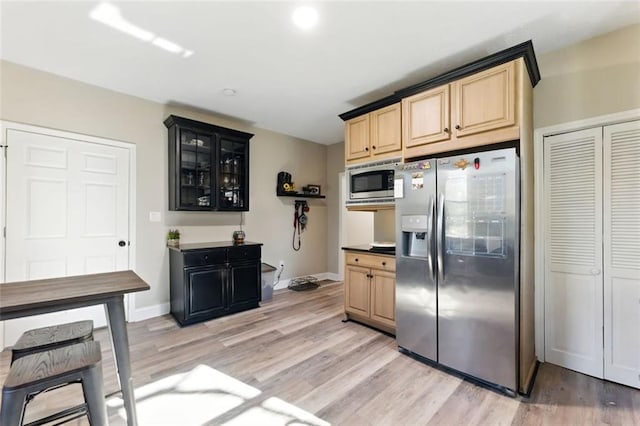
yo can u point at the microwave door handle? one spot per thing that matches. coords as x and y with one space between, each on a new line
432 271
440 237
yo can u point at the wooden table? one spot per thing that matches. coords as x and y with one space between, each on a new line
26 298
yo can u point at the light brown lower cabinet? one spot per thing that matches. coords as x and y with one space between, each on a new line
370 290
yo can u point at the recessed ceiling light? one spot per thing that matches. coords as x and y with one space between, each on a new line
305 17
228 92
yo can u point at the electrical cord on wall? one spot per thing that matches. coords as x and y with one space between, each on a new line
279 274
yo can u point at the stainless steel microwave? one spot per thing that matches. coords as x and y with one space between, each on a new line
371 183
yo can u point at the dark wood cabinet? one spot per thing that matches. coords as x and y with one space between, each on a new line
208 166
209 280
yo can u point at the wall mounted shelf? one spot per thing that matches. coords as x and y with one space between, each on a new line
298 195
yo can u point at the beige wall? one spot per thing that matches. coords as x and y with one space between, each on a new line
335 165
596 77
37 98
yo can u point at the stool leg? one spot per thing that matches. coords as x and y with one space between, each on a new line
12 408
94 396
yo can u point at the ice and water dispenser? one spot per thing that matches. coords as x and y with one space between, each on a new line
415 231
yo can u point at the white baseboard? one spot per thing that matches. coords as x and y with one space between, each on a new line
150 312
331 276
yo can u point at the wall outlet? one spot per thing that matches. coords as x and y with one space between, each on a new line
281 264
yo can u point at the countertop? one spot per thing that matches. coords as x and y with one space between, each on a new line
366 248
210 245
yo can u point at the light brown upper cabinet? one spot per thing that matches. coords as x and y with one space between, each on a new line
426 117
373 136
356 138
476 110
485 101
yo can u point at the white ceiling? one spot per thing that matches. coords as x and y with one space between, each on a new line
288 80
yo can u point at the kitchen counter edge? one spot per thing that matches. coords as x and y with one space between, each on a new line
365 248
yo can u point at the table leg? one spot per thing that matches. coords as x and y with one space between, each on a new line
118 330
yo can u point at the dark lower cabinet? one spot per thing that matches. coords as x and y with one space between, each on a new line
242 294
209 282
206 290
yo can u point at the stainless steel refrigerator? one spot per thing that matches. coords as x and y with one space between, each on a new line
457 258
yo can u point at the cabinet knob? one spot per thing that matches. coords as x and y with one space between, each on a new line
446 130
206 257
356 259
373 146
384 263
457 127
366 148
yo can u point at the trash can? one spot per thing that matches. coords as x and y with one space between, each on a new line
268 278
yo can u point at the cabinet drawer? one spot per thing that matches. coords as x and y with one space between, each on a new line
204 257
244 253
371 261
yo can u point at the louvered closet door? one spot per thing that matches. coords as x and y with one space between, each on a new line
573 251
622 253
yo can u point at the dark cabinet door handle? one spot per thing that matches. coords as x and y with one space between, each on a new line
356 259
122 243
446 130
366 148
384 263
374 147
457 127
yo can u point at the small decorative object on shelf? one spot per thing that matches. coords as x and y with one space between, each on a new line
173 238
311 189
238 237
287 188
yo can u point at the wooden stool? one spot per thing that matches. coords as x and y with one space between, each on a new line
35 373
45 338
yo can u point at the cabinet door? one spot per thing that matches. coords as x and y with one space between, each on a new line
244 285
485 101
356 138
357 290
386 135
233 174
622 253
194 187
383 297
205 291
425 117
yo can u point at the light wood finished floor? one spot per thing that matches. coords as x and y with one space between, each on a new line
296 348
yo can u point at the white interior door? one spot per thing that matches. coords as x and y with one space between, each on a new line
67 210
622 253
573 251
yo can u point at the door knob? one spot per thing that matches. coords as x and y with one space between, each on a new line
122 243
595 271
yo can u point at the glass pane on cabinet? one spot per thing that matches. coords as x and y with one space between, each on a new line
195 169
232 179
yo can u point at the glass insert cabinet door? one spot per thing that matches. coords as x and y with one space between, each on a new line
195 169
232 174
208 166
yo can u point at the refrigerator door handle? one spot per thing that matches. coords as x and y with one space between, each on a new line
432 270
440 237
